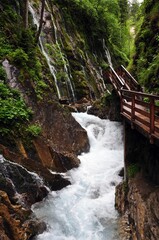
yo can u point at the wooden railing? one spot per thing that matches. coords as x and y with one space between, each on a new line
117 82
123 79
141 109
129 79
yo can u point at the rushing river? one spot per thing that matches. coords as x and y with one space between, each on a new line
85 209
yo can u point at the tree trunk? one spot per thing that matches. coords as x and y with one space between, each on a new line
41 21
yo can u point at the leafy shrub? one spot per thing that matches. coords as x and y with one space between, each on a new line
34 130
13 110
19 57
2 73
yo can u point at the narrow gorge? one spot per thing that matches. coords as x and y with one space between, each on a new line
71 165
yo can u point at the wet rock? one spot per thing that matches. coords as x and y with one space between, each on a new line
53 181
139 200
101 112
17 180
60 130
64 161
107 108
34 227
16 222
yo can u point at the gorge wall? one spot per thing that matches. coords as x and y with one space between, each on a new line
138 195
41 83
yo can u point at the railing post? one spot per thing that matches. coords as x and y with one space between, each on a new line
152 115
121 102
133 111
133 108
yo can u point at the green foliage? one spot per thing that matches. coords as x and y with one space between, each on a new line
2 74
18 57
132 170
123 4
146 58
34 130
98 19
13 110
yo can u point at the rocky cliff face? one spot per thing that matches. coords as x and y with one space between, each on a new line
137 202
61 138
65 67
137 197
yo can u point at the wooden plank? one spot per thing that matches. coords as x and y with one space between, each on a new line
142 103
142 120
156 129
142 112
155 135
127 104
127 112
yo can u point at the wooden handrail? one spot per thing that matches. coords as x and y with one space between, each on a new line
131 77
117 77
134 107
139 108
148 95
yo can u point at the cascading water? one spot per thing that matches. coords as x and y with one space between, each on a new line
68 80
107 53
70 89
64 60
44 52
85 209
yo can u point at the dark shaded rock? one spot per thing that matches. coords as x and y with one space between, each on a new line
107 108
15 179
101 112
121 173
53 181
35 227
64 101
60 129
65 161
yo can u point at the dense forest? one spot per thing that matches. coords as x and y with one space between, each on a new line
145 58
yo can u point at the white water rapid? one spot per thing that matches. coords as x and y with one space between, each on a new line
85 210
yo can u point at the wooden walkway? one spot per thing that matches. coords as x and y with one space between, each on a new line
141 110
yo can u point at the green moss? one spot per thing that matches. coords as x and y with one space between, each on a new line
18 57
2 74
132 170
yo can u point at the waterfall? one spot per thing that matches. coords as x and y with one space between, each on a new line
44 52
85 210
95 73
107 53
65 61
69 87
68 81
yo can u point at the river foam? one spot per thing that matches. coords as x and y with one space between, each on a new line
85 210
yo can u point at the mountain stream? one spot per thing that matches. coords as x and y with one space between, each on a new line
85 209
